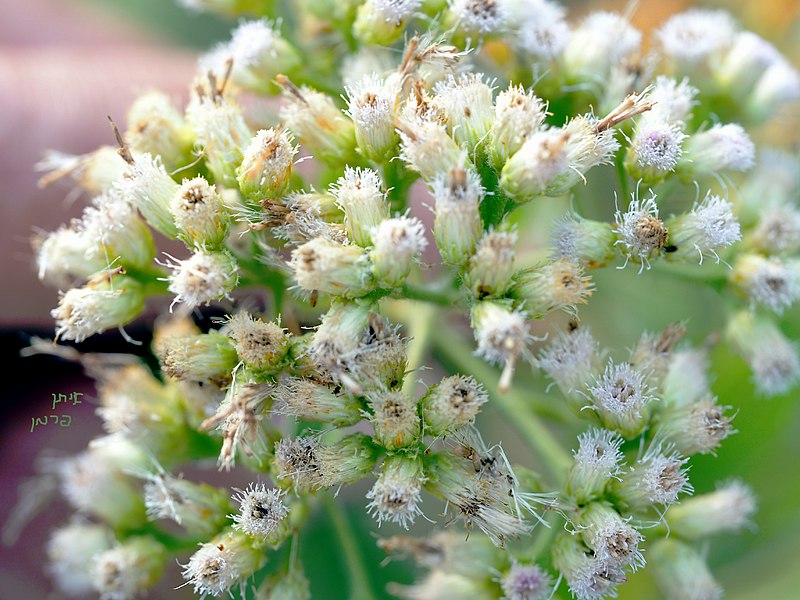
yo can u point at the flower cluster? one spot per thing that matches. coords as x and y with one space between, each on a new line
499 108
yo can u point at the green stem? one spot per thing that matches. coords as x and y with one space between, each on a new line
430 295
419 323
624 188
360 588
515 405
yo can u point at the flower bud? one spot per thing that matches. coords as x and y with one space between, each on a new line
772 357
611 538
339 336
729 508
480 498
371 103
312 401
260 54
542 31
452 403
672 100
200 216
397 243
203 277
106 302
438 584
149 188
118 233
590 243
332 268
779 85
311 465
720 148
692 38
602 41
262 514
770 282
203 357
135 404
61 256
95 172
656 478
466 103
696 428
526 582
318 123
777 231
597 460
621 399
502 335
157 127
395 418
517 116
654 150
360 196
744 63
571 360
429 151
457 224
537 165
261 346
95 481
555 285
681 572
266 165
709 226
686 380
491 268
200 509
640 231
396 495
70 550
290 584
221 135
129 568
222 563
478 18
588 577
382 22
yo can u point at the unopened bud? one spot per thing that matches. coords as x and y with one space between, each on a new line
157 127
129 568
466 103
720 148
395 418
555 285
313 401
597 460
382 22
681 572
150 189
200 216
517 116
457 224
203 278
260 345
332 268
491 268
396 495
318 123
203 357
266 164
371 104
397 243
590 243
102 304
452 403
729 508
359 194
